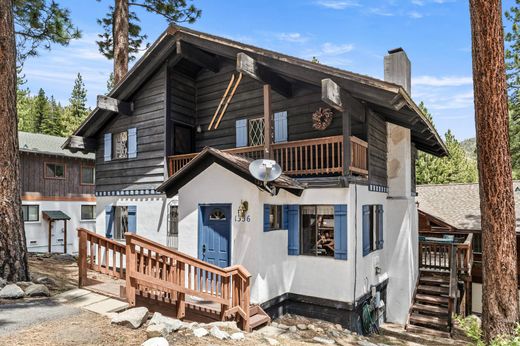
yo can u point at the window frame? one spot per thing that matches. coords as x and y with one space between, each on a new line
38 212
259 119
316 230
45 176
114 143
279 209
374 231
172 233
81 212
93 167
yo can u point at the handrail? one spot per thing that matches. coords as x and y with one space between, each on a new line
313 156
452 303
153 269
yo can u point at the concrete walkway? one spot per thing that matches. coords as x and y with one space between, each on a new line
23 314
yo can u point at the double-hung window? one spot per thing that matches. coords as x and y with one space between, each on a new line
31 213
88 175
120 145
372 228
88 212
317 230
54 170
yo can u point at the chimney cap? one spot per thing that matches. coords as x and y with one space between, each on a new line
395 50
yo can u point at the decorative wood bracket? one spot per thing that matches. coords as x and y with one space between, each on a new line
83 144
331 94
198 56
398 102
250 67
115 105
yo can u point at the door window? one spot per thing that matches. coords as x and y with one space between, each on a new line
217 215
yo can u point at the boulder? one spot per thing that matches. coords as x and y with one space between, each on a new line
200 332
156 330
324 341
293 329
301 326
171 324
338 327
272 342
282 326
219 334
11 291
365 343
132 318
225 325
311 327
24 284
156 342
237 336
37 290
44 280
3 282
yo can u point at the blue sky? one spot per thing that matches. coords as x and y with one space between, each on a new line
349 34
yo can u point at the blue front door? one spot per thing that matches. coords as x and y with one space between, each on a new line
215 234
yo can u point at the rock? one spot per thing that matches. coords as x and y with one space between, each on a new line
282 326
311 327
274 324
338 327
37 290
271 332
365 343
156 330
171 324
3 282
334 333
346 331
293 329
301 326
156 342
237 336
323 341
24 284
225 324
44 280
319 330
11 291
200 332
219 334
132 318
271 341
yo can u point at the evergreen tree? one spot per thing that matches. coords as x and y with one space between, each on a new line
24 106
455 168
77 109
40 110
52 123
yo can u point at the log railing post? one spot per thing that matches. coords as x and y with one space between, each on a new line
82 258
246 291
130 267
181 301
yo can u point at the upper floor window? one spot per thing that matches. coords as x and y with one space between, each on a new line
88 212
31 213
88 175
54 170
120 145
256 132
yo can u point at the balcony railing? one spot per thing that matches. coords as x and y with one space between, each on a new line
317 156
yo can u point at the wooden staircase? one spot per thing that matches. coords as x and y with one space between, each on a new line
158 275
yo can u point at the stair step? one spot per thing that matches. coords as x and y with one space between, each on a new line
433 289
430 309
416 318
257 320
437 300
437 280
427 331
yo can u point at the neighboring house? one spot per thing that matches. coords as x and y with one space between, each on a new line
57 193
455 209
341 224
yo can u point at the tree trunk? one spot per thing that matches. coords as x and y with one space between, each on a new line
13 252
120 36
500 291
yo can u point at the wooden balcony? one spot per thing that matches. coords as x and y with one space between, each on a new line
310 157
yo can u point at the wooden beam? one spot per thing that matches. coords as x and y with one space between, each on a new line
331 94
250 67
267 122
65 238
114 105
50 236
347 129
76 143
198 56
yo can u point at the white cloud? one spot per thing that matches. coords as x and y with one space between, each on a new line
418 2
379 11
442 81
415 14
338 4
336 49
292 37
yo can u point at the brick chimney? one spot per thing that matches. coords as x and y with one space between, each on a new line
398 69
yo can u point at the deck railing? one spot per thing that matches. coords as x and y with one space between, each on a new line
153 270
318 156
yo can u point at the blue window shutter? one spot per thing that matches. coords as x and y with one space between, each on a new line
280 127
267 212
132 143
241 132
285 217
340 232
109 221
132 218
108 146
293 212
366 230
380 226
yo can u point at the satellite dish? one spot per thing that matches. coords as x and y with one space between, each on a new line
265 170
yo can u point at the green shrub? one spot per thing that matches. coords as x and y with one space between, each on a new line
471 327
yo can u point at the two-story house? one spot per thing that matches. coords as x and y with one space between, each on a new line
57 193
174 141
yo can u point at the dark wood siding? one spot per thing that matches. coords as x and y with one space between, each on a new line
414 177
377 149
34 182
146 171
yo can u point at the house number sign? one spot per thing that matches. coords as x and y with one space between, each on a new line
241 215
239 218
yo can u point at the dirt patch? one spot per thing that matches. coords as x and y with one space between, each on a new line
63 270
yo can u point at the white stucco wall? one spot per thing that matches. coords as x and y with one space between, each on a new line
264 254
37 232
151 215
476 298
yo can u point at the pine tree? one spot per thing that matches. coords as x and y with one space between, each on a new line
40 111
24 106
77 109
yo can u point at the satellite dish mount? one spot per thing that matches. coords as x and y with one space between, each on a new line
266 171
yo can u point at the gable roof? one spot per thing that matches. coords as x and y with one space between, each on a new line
46 144
458 204
234 163
388 99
